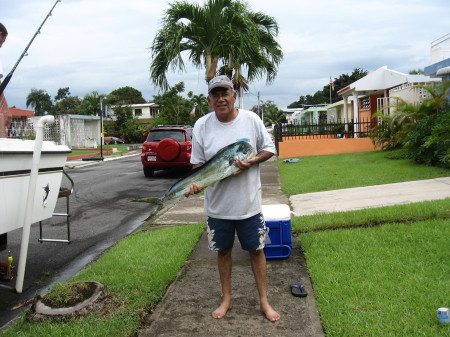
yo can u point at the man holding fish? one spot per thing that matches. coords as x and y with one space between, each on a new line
233 205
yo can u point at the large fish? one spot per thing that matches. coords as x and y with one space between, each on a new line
219 167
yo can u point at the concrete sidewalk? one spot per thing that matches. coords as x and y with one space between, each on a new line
71 164
370 196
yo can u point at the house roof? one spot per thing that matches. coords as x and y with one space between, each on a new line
339 103
382 79
443 71
317 108
21 112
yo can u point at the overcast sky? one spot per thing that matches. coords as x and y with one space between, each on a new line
103 45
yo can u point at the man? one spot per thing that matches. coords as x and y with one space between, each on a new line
234 205
5 119
5 113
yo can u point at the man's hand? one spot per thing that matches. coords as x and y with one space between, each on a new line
259 158
194 189
245 165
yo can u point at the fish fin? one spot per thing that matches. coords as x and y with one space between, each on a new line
243 140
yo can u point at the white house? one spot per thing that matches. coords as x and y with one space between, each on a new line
375 91
141 111
291 114
440 58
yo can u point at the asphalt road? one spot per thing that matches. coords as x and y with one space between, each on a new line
104 209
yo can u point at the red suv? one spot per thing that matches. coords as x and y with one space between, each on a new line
166 147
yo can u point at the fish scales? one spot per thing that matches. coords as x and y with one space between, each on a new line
219 167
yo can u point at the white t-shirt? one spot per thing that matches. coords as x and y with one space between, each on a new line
238 197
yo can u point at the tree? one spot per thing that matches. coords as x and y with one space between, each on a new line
219 31
422 130
123 114
175 109
68 105
269 113
416 72
132 131
125 95
40 101
323 96
62 93
199 103
91 103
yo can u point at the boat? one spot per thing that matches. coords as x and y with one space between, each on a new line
16 156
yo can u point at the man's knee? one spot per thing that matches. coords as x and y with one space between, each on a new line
224 253
256 253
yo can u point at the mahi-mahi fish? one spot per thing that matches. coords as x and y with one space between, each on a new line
219 167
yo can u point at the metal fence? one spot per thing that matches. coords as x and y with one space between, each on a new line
323 130
23 128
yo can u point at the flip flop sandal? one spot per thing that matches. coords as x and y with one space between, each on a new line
298 290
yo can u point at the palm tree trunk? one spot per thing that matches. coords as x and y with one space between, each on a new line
241 98
211 68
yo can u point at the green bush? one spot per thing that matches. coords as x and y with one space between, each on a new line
428 141
421 130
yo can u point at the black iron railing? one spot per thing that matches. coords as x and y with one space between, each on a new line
323 130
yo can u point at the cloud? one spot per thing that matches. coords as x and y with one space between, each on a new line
102 45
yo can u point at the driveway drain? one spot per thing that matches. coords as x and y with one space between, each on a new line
40 311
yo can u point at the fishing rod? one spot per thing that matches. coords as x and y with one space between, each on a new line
8 77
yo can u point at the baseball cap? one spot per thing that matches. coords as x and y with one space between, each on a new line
221 81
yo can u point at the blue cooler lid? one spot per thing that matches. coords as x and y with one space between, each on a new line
276 212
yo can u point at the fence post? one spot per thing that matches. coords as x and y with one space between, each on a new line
277 135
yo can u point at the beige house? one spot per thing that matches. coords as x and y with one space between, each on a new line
335 112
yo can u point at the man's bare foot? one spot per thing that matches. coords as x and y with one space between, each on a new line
271 314
221 311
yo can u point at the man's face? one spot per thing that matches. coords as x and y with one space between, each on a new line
2 39
222 101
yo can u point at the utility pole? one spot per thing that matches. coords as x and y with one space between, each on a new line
258 106
101 128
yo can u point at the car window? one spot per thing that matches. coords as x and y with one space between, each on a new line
158 135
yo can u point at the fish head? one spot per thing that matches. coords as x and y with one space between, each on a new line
244 150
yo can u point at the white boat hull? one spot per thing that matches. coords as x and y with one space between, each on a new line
15 166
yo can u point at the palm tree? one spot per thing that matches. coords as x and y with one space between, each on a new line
40 101
261 55
92 102
200 104
273 116
221 31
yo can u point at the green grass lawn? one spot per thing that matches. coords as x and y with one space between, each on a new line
333 172
136 272
380 271
381 281
121 148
